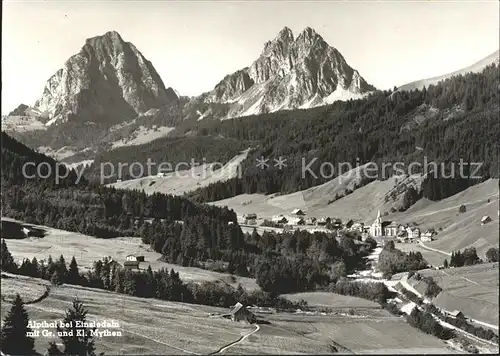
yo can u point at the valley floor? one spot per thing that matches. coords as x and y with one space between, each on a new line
88 249
152 326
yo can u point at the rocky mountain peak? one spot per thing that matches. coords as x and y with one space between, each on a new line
285 34
108 80
291 73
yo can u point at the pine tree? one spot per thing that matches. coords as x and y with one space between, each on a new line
445 264
53 350
8 264
56 278
76 342
73 276
14 336
61 267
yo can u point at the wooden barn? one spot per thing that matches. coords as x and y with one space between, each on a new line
239 312
131 265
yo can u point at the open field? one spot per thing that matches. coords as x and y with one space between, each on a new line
472 290
432 257
88 249
142 135
331 300
362 204
289 334
183 181
458 230
151 326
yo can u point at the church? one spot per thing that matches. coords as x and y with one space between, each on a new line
381 228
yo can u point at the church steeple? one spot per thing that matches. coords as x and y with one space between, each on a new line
378 220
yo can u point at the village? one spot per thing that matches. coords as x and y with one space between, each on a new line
378 229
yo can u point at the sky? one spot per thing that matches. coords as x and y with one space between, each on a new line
194 44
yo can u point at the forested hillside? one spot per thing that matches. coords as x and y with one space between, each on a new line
184 232
168 150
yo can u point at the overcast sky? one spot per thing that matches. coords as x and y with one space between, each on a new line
194 44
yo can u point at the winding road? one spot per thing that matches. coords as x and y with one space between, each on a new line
433 249
241 339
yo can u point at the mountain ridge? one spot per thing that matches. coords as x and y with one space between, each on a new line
474 68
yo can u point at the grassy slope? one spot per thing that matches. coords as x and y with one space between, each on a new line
88 249
183 181
362 204
293 334
459 230
471 289
158 327
149 326
331 300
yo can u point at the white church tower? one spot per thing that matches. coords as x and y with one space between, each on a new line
376 228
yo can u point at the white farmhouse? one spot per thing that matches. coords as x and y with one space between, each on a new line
280 219
131 258
413 232
427 236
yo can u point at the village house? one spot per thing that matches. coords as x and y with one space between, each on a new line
336 223
296 221
250 216
279 219
131 264
323 221
250 219
239 312
310 221
358 226
134 258
457 314
349 224
413 232
131 258
485 219
427 236
298 212
381 228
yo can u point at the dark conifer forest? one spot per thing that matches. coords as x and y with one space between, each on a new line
456 119
184 232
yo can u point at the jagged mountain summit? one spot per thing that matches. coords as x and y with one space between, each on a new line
290 73
102 94
109 79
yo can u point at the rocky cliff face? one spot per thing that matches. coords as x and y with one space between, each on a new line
290 73
109 78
